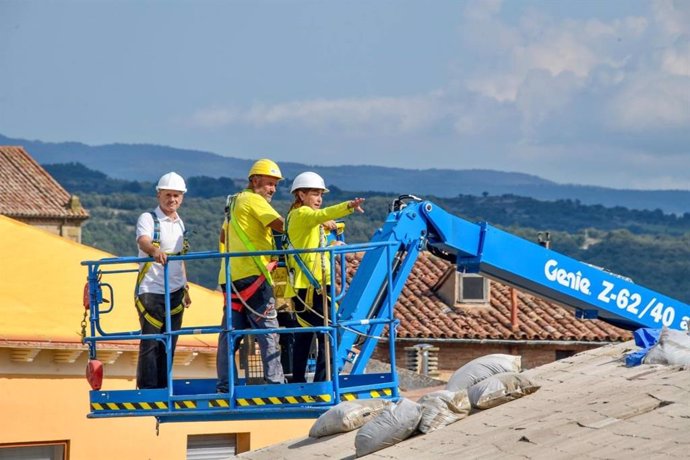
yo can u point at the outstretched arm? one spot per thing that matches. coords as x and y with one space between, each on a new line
356 204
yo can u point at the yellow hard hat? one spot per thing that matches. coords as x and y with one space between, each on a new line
265 167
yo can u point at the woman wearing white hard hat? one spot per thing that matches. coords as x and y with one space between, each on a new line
305 226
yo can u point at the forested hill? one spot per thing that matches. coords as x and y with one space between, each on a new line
506 210
142 162
650 247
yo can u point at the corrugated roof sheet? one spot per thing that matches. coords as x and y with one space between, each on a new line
423 314
27 190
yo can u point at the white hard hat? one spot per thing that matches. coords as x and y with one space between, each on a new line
308 180
171 181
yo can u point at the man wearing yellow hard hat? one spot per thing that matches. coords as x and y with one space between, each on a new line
248 226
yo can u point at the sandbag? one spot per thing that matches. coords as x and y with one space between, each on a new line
347 416
457 401
481 368
442 408
499 389
673 347
396 423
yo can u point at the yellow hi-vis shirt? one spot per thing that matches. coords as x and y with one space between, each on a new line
303 230
253 214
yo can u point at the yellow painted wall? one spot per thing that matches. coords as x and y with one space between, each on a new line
41 283
49 409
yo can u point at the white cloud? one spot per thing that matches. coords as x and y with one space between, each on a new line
392 115
502 88
540 96
653 101
539 93
561 53
213 117
558 47
481 10
676 60
673 16
584 77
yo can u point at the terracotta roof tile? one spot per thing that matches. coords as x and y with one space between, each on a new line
422 314
27 190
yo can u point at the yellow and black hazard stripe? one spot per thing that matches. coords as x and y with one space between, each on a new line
218 403
155 405
185 404
279 400
373 394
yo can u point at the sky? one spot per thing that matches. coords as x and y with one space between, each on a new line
575 91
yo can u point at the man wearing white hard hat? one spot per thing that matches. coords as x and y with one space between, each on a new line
160 233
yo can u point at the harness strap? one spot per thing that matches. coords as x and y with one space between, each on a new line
309 303
248 291
150 319
247 243
157 236
156 229
147 266
300 262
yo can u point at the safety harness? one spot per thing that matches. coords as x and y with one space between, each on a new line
300 262
314 285
239 301
147 266
239 298
229 213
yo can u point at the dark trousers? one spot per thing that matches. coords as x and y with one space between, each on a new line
303 340
152 367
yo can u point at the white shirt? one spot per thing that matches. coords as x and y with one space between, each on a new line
171 241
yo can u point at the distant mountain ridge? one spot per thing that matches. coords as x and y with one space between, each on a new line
144 162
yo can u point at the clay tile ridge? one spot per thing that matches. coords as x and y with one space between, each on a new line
28 191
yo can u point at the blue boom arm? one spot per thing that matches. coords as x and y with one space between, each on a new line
486 250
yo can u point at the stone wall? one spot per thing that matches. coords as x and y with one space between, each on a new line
70 229
451 355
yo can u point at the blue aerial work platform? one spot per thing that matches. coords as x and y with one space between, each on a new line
365 308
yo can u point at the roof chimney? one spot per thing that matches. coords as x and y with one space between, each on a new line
74 204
